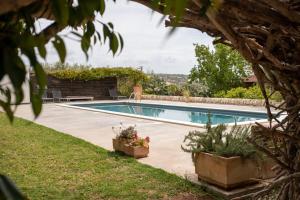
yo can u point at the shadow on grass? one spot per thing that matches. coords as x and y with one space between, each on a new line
118 155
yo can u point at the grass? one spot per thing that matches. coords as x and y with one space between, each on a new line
46 164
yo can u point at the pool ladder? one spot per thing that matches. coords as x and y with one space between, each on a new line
132 96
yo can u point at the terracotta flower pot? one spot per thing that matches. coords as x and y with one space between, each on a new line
134 151
232 172
138 91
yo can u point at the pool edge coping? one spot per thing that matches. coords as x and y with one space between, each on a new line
160 119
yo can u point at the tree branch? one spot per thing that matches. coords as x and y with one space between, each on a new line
284 10
14 5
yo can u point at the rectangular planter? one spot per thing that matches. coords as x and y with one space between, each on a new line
118 145
232 172
134 151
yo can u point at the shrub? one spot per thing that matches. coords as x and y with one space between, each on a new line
174 90
247 93
253 93
155 85
219 142
220 94
186 93
238 92
197 89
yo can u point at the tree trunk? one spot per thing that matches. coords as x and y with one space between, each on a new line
267 34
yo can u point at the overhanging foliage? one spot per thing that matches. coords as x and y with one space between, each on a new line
99 73
20 40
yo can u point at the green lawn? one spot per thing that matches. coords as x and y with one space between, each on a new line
46 164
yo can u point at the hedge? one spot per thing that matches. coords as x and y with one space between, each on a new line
247 93
98 73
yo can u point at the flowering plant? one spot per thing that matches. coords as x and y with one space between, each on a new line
130 136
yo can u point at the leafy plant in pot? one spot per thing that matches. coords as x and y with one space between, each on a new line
128 142
223 157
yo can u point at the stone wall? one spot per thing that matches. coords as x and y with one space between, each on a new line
233 101
95 88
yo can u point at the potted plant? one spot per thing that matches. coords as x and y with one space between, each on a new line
137 86
225 158
128 142
138 91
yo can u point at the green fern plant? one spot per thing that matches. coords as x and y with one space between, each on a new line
220 141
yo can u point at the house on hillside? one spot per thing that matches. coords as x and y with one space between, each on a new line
250 81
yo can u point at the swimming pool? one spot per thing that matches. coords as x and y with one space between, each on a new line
175 114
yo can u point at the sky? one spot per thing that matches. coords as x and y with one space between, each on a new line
146 42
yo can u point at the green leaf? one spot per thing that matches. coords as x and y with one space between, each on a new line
60 10
9 190
106 32
180 6
102 6
99 37
19 95
111 25
6 105
121 42
36 101
85 44
42 51
90 28
41 77
171 31
59 45
14 68
41 45
114 44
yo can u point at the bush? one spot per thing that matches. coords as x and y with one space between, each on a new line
155 85
253 93
196 89
247 93
238 92
174 90
220 94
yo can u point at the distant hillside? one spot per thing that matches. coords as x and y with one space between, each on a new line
177 79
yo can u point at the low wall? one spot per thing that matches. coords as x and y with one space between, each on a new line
233 101
95 88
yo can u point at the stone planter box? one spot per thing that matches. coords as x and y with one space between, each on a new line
233 172
134 151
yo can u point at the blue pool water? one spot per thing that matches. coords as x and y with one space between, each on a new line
178 113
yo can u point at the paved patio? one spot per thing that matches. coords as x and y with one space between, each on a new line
96 128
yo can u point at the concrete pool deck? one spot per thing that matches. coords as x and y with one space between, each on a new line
96 128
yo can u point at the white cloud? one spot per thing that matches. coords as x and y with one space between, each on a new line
145 42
